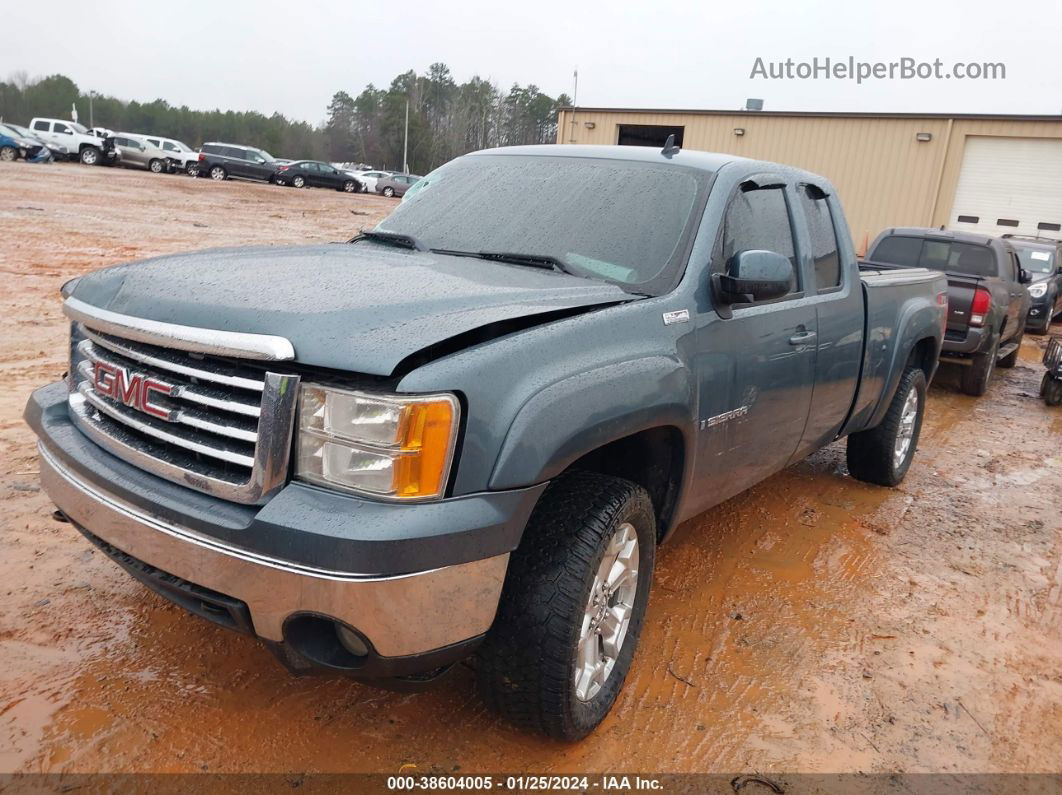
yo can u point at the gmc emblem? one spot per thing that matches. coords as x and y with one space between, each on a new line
130 389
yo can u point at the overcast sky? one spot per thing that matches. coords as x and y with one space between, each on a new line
292 56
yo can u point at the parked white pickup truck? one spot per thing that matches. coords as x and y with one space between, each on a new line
89 148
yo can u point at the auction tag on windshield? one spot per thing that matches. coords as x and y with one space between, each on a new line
1044 255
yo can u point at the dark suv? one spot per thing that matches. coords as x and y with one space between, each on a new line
1042 258
221 161
987 300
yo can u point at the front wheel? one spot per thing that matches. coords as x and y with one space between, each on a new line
8 153
572 607
882 455
90 155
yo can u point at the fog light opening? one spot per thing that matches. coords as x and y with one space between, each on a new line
325 641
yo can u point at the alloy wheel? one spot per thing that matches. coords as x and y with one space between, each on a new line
608 613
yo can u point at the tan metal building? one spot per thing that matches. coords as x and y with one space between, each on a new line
994 174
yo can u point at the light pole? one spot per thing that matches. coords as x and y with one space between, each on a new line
405 143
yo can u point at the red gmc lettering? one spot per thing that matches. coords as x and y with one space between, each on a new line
130 389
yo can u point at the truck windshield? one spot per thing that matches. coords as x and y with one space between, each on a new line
968 259
625 222
1036 260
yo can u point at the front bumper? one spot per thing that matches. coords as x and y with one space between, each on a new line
284 575
1039 310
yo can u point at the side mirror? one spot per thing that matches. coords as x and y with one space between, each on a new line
1024 277
754 275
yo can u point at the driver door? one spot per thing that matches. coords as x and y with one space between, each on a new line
771 347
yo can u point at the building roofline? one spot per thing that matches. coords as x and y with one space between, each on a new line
821 114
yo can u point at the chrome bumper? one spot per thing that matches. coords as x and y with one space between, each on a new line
402 615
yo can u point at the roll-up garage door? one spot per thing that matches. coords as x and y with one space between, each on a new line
1010 186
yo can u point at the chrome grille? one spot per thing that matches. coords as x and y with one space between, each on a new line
217 424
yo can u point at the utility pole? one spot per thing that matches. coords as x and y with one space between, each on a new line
405 143
575 104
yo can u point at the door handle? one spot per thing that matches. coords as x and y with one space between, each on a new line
803 338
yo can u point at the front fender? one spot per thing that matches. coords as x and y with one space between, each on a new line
583 412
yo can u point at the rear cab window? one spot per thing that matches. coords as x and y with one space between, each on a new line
949 256
825 252
43 126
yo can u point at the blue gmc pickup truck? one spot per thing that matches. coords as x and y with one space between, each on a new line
466 431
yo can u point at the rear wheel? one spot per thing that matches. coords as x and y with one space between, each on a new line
298 181
350 186
90 155
976 376
1051 390
1011 358
883 454
191 168
388 191
8 153
218 173
156 166
572 608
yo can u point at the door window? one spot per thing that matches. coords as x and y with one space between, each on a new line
758 218
823 238
60 128
40 125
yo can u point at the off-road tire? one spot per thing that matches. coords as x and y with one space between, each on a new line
871 453
90 156
156 166
1051 390
975 377
218 173
526 664
8 154
1011 358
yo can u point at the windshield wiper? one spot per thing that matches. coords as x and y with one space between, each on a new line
391 238
545 261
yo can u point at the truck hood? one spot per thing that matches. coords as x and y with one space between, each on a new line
360 307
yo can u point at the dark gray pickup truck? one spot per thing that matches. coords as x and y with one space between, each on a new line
468 429
987 300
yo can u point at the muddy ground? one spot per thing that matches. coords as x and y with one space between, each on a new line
813 623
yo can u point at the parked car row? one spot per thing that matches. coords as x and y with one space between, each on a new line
998 288
69 140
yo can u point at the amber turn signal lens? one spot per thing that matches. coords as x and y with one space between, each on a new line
427 444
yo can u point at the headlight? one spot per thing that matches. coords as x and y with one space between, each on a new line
1038 290
389 446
